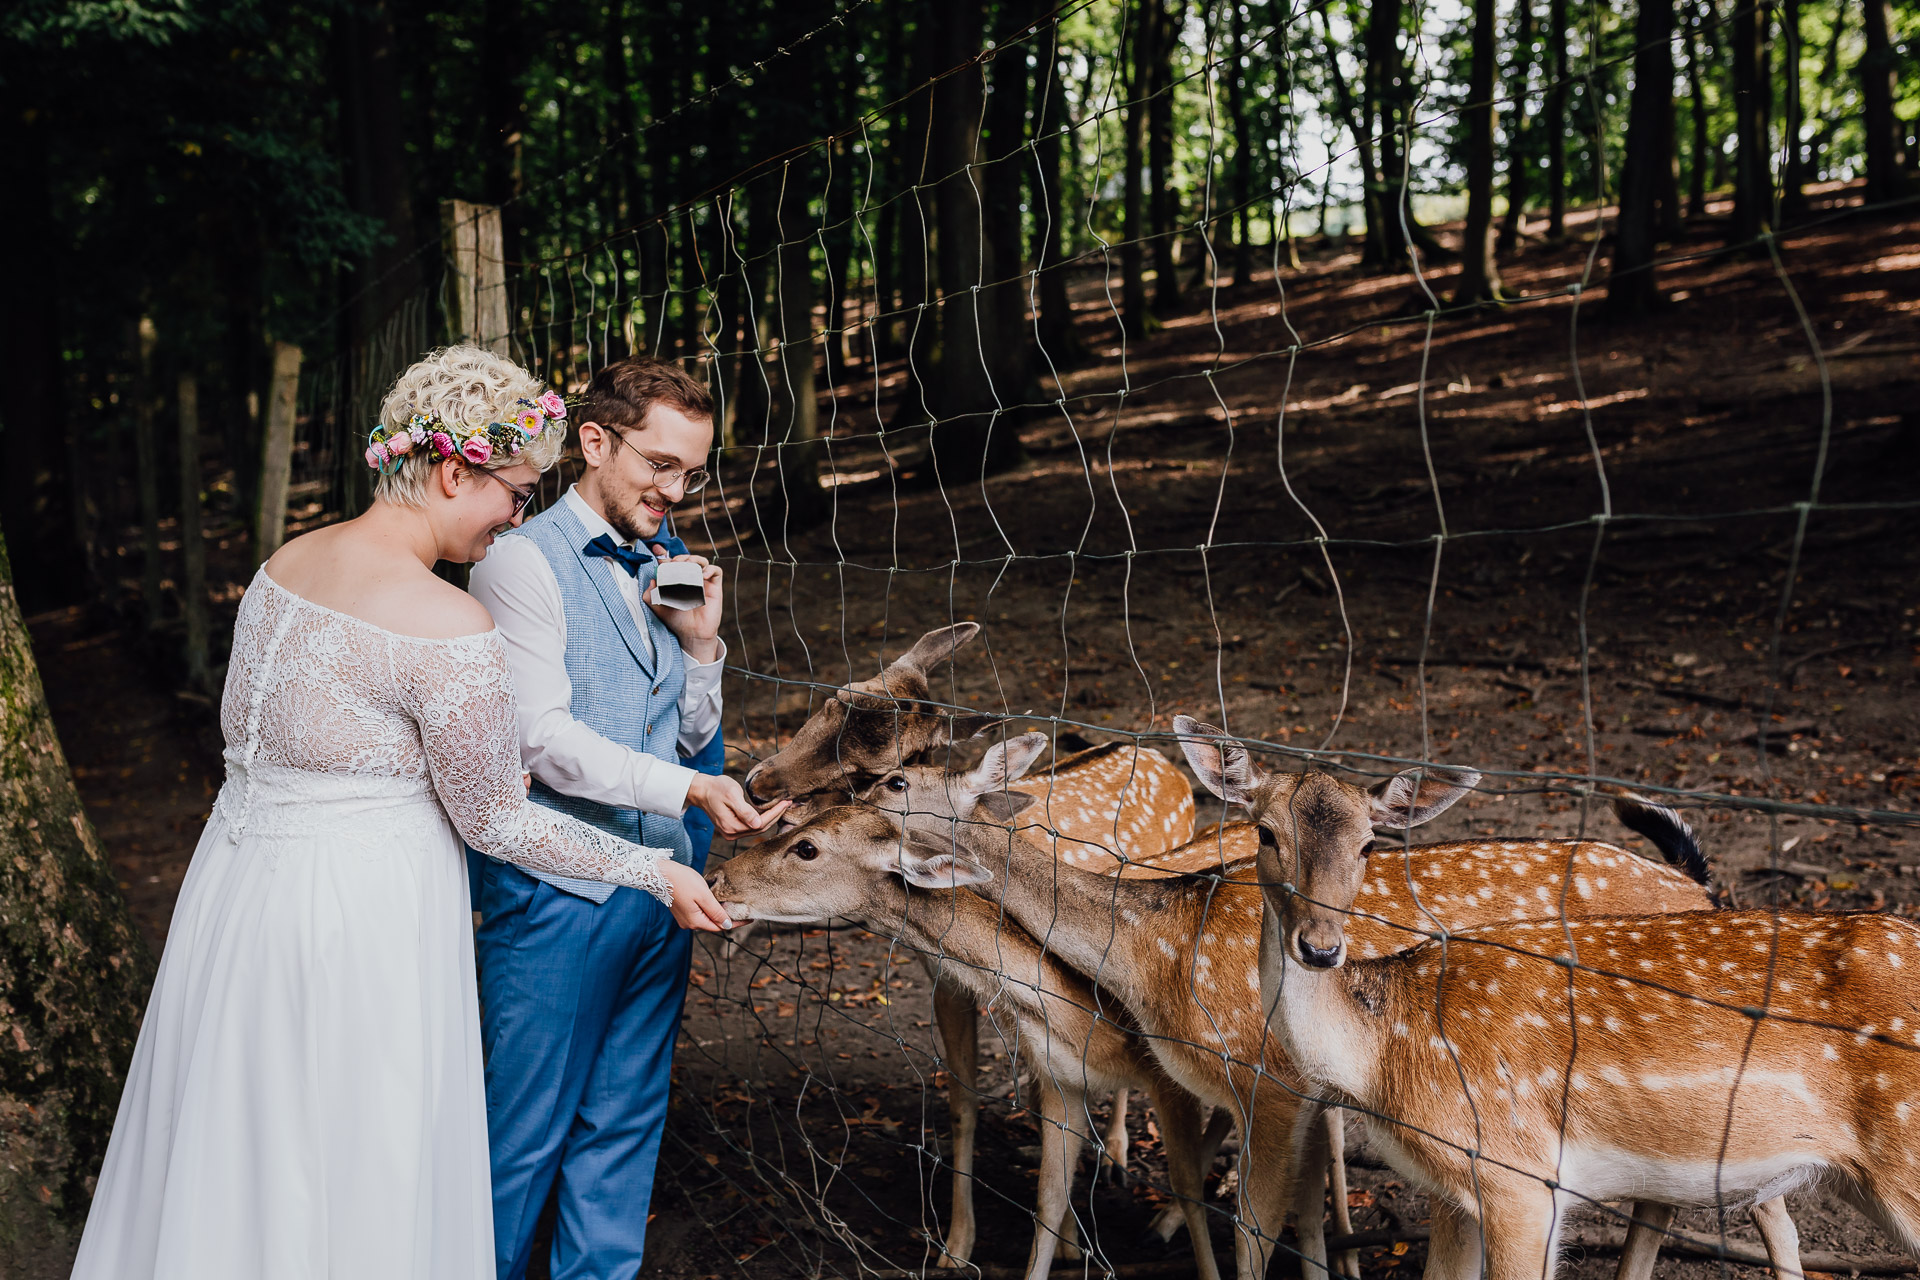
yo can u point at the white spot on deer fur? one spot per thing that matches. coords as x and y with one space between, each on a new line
1828 1052
1900 1111
1893 959
1166 948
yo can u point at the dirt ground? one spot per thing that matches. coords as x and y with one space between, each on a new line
1151 557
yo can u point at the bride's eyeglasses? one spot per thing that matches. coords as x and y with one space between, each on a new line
665 473
525 496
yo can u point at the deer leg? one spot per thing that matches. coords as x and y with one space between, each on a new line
1311 1155
1188 1156
1172 1217
959 1026
1453 1248
1113 1145
1644 1235
1780 1236
1348 1263
1271 1175
1521 1220
1064 1127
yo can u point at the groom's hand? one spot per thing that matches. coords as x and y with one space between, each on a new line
732 813
698 630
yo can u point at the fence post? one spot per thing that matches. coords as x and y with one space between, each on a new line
276 455
476 274
193 549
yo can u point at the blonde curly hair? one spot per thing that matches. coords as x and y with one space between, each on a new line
463 387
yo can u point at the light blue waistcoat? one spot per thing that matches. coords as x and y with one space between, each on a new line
620 691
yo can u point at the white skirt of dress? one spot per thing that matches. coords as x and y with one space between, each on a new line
306 1098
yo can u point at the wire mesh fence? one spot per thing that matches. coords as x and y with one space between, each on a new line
1382 542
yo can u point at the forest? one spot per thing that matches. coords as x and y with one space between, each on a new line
1522 383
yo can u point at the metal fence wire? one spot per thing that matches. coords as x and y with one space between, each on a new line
1392 554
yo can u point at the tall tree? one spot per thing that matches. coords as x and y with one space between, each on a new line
1003 303
1752 180
1240 186
74 972
1051 210
1519 136
1372 190
1136 59
1793 169
1382 84
373 144
1631 290
1878 62
1698 159
1553 121
1480 276
1161 35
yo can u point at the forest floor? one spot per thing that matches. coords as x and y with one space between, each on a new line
810 1118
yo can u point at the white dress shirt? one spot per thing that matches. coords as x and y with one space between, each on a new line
517 586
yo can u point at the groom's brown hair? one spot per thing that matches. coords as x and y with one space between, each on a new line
625 392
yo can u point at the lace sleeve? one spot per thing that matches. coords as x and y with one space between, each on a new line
462 699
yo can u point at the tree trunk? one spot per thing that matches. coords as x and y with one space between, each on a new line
916 223
1631 290
1163 200
375 151
1698 164
1243 142
1382 84
800 500
1136 39
968 437
193 546
146 453
35 499
1554 122
1793 176
1519 136
1058 340
1480 277
1003 303
1752 178
74 972
1885 181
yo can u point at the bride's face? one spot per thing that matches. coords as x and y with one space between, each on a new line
484 503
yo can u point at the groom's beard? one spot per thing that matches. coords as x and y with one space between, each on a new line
632 521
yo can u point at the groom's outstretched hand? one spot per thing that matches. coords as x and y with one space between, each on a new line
732 813
694 905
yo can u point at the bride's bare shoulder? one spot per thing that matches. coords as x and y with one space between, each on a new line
379 584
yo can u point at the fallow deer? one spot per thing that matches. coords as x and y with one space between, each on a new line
855 863
1517 1069
1110 804
1182 953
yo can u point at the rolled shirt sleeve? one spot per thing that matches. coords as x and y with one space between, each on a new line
518 588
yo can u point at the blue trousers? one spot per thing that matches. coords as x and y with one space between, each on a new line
580 1008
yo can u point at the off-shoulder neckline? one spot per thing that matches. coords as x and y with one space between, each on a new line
297 598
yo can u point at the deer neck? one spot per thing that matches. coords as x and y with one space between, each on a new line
1075 915
966 938
1332 1023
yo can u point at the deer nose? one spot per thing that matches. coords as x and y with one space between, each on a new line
746 785
1319 957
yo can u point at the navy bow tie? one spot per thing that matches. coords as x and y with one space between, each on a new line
627 558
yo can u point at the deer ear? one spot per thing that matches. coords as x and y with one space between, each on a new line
1224 767
960 728
938 646
1418 795
1005 762
926 865
1004 806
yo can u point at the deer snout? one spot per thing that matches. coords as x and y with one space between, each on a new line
1317 957
752 783
1320 944
727 897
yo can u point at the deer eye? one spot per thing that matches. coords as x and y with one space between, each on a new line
896 783
805 851
1266 839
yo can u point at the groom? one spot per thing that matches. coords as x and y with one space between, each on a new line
581 982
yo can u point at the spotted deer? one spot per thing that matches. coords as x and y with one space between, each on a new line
1109 804
1516 1069
1181 953
856 863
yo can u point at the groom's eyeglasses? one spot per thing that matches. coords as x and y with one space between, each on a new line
525 496
665 473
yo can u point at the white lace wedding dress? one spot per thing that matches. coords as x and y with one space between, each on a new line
306 1097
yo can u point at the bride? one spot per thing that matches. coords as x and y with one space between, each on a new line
305 1099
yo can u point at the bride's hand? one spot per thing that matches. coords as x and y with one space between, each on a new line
694 906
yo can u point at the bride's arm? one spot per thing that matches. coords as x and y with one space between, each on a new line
462 699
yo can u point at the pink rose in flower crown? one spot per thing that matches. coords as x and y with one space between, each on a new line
443 444
399 444
375 457
476 450
552 405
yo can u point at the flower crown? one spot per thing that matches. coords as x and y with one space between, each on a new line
387 447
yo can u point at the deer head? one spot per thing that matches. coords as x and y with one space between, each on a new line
927 796
829 867
868 727
1314 832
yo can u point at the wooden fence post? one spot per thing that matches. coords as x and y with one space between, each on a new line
476 275
193 549
146 456
276 455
